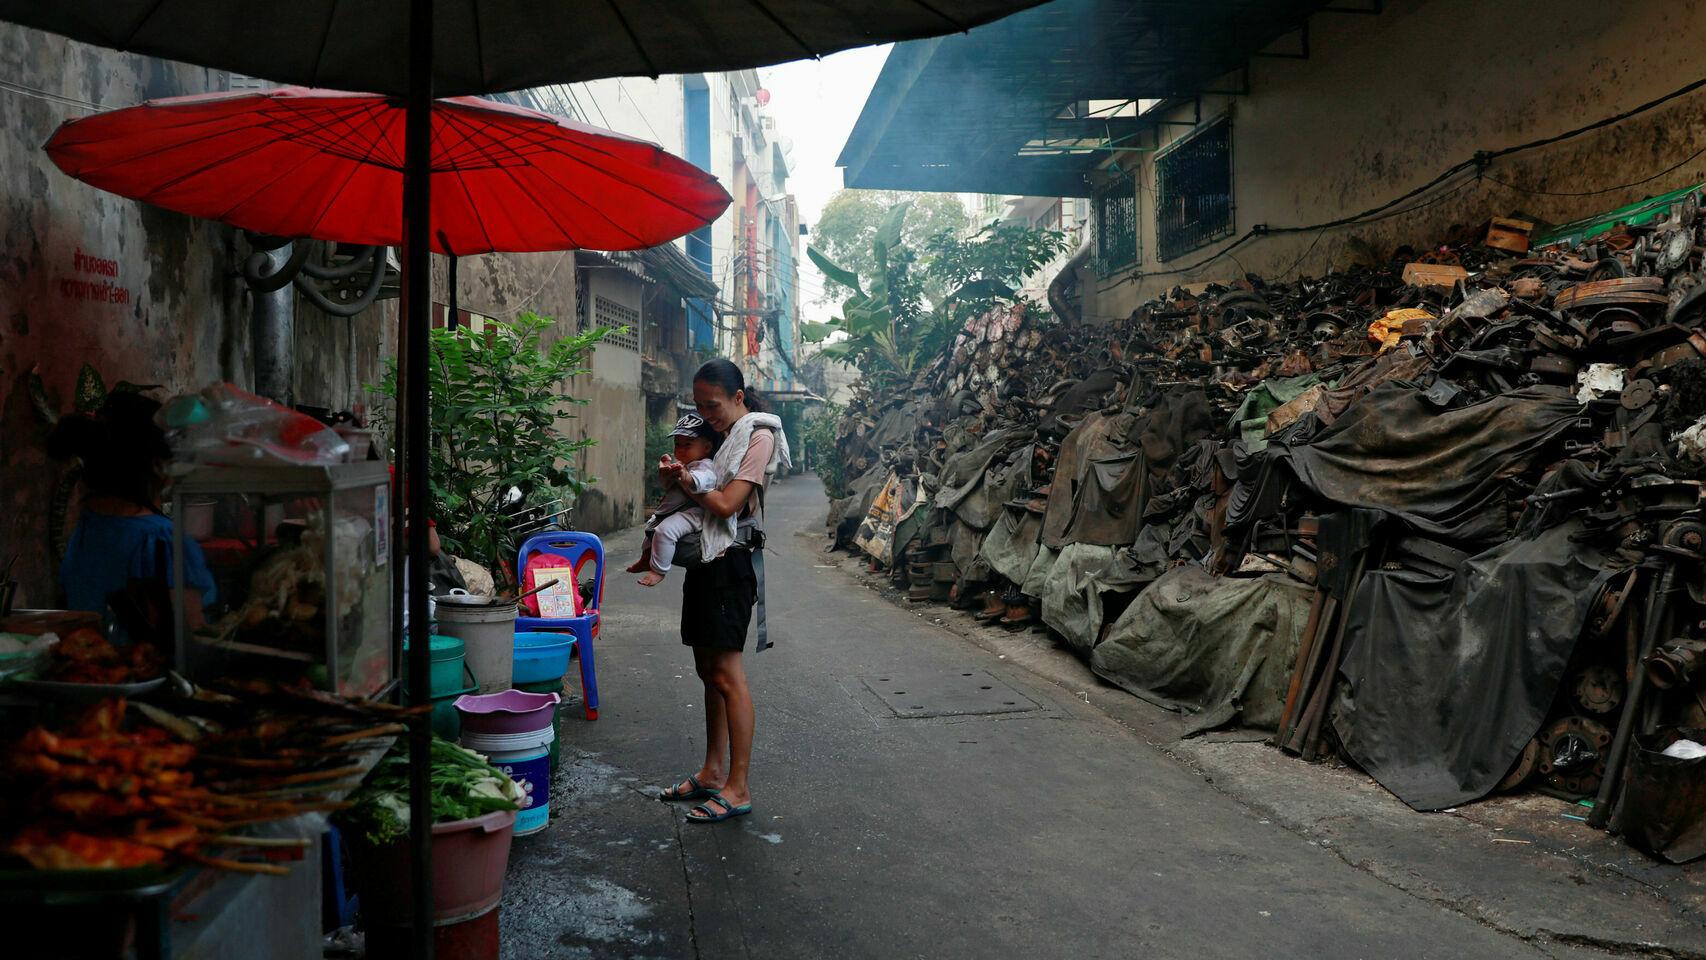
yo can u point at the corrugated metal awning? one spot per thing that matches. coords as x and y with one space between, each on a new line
986 111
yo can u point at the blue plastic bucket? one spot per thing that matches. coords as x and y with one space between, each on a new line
525 758
514 730
541 656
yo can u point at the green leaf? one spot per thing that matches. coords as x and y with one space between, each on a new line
888 234
91 389
842 276
39 401
815 332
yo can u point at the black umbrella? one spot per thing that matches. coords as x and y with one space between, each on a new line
487 46
419 49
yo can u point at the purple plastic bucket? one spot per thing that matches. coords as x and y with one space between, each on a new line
502 714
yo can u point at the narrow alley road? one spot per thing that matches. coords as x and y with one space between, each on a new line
1044 830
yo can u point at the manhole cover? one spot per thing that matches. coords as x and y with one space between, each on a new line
956 693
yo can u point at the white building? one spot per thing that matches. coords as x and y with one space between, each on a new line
720 122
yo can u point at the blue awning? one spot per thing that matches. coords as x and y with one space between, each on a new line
1003 108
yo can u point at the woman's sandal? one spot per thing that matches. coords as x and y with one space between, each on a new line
706 814
695 791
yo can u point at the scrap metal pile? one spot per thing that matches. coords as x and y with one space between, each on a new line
1441 517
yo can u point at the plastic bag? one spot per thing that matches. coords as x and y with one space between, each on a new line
225 426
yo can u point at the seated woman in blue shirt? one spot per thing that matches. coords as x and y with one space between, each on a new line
122 541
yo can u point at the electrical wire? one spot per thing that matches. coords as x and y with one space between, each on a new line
1594 193
587 89
522 305
44 95
637 111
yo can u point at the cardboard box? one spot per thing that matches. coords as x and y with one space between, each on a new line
1434 274
1511 236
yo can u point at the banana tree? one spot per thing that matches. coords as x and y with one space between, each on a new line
886 328
874 318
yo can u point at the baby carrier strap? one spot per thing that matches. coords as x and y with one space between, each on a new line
757 547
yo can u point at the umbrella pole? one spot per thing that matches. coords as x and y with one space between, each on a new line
417 427
455 309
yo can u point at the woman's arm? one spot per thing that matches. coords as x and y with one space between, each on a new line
725 502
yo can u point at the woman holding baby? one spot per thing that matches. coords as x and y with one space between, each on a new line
717 596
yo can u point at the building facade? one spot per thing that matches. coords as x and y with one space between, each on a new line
89 280
720 122
1216 139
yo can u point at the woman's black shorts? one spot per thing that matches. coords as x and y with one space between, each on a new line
716 602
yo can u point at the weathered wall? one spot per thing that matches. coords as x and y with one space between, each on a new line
139 293
615 416
1385 103
503 286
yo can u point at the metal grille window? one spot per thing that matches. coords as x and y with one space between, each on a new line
1193 190
609 313
1116 224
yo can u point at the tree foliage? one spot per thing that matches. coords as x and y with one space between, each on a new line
497 407
818 447
850 220
891 325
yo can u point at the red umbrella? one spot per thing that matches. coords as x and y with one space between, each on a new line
297 162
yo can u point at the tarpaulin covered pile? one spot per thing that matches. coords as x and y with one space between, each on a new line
1440 518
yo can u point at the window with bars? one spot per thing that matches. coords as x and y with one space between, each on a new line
1193 190
1116 224
614 314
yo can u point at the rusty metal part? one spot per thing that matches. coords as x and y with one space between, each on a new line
1310 628
1677 664
1527 763
1573 754
1671 249
1610 268
1599 688
1651 622
1527 288
1638 394
1687 534
1616 292
1661 496
1552 365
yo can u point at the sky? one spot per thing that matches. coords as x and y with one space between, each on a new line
815 103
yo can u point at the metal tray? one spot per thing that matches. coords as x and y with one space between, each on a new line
60 690
66 886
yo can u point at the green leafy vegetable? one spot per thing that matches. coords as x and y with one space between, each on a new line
464 786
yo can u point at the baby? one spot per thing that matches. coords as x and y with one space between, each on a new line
677 515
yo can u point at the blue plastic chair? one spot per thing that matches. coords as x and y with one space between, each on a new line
575 548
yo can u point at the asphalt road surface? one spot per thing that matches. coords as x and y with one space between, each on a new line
915 796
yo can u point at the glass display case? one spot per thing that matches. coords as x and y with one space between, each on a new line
300 564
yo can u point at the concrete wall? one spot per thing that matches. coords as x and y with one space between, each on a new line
615 416
1385 103
138 293
503 286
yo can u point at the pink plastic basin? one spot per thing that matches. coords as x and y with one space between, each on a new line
469 858
509 712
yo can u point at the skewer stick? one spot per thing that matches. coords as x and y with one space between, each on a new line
285 843
371 733
236 866
304 791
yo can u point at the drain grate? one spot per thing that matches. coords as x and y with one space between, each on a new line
959 693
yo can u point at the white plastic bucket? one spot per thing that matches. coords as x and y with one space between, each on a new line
488 634
525 758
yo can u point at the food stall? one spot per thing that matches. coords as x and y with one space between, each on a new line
174 796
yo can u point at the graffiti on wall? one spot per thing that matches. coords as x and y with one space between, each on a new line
94 281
